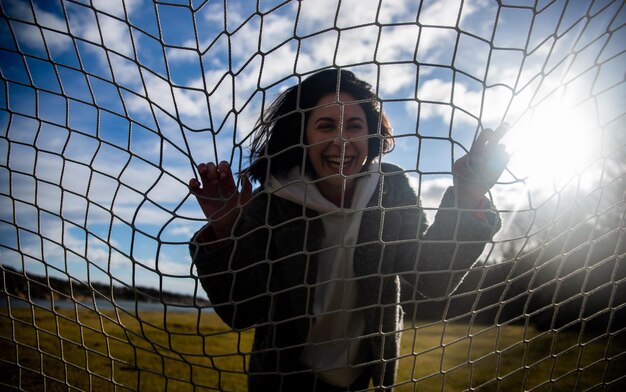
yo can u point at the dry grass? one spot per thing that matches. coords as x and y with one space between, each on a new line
85 350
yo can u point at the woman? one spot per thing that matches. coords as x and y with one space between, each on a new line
318 258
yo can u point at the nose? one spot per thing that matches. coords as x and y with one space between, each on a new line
340 137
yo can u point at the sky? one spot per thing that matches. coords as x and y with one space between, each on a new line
107 106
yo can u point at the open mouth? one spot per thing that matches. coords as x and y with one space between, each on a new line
336 162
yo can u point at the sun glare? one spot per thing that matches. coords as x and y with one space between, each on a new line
552 143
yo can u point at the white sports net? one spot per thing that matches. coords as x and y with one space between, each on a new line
107 106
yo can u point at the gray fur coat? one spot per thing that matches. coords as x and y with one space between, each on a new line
263 277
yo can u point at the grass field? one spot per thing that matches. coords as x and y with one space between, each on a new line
84 350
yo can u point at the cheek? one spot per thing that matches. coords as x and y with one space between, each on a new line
312 138
313 152
362 145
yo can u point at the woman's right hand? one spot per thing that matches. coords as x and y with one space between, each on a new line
218 196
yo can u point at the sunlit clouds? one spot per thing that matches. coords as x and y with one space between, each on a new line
554 142
111 104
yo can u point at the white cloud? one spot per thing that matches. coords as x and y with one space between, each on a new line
64 246
356 12
94 27
191 103
83 23
185 231
472 56
277 29
30 36
214 13
344 44
504 67
440 12
244 43
167 266
398 80
81 187
55 42
317 51
48 19
436 90
316 16
116 35
159 91
183 55
494 103
430 192
394 11
126 73
356 45
119 8
397 43
167 189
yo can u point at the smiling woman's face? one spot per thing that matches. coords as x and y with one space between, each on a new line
337 143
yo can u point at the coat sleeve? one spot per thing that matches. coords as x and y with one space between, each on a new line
451 245
233 271
433 260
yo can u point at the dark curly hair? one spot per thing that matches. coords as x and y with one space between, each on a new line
279 141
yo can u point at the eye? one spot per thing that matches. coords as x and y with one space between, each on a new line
326 126
355 126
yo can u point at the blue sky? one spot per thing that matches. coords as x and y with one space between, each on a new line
107 106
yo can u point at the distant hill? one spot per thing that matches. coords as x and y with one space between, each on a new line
27 285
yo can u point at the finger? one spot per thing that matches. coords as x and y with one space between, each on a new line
499 133
194 185
481 140
223 169
495 166
226 180
209 178
200 192
212 172
502 156
206 171
495 160
246 190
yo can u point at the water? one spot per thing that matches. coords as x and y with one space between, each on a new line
102 304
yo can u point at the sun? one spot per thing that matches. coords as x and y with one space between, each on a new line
552 143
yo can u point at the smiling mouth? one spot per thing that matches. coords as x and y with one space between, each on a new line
336 162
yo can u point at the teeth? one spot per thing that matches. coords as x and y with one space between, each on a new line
337 160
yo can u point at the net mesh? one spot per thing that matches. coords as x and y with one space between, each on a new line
106 107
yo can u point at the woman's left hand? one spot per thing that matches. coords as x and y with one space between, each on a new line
476 172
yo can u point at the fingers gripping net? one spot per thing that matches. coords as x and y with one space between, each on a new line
107 107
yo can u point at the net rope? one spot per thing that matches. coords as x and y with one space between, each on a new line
107 107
